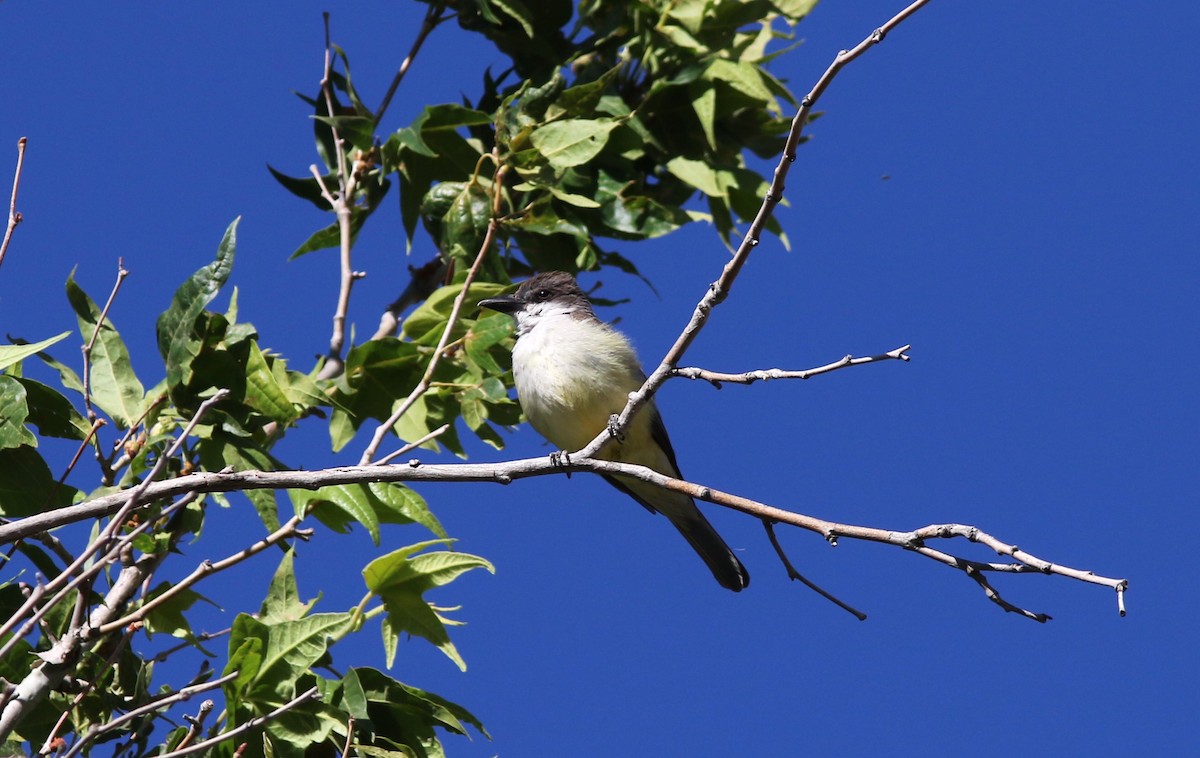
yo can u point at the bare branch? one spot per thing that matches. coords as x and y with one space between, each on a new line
750 377
795 575
59 659
343 207
14 217
433 17
719 290
71 578
91 344
509 471
195 723
349 737
303 697
413 445
206 568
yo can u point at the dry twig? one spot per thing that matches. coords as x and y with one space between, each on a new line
14 217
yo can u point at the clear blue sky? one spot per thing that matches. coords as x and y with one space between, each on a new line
1036 243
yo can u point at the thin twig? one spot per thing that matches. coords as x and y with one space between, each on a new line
163 655
156 704
423 386
14 217
195 723
206 568
343 208
719 289
308 694
413 445
750 377
105 667
431 21
349 737
91 343
129 501
797 576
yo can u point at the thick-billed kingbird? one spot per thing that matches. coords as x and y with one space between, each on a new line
573 372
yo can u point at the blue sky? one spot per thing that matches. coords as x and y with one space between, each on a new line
1035 241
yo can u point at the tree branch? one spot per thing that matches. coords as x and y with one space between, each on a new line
343 207
59 659
433 17
206 568
308 694
509 471
127 502
795 575
750 377
719 290
14 217
156 704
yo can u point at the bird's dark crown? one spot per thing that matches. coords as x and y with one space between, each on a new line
552 285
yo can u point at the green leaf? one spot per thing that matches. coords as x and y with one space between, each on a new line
352 499
572 142
247 640
263 391
307 187
178 341
168 617
13 412
377 374
27 486
700 175
331 236
485 334
115 388
427 321
293 647
10 354
368 504
396 504
466 222
703 102
282 602
52 413
222 449
401 579
517 11
401 711
745 79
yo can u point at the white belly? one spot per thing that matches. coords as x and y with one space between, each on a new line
571 376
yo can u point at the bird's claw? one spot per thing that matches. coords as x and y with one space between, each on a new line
614 428
561 458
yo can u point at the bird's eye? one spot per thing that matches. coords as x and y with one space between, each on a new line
542 295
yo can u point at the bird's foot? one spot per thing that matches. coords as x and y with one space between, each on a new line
613 428
561 458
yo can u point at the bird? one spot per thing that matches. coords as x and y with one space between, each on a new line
573 372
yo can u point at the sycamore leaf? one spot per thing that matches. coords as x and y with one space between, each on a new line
402 578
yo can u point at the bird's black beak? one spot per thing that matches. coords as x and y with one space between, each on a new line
505 304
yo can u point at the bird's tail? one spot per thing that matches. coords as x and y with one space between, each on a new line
703 538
